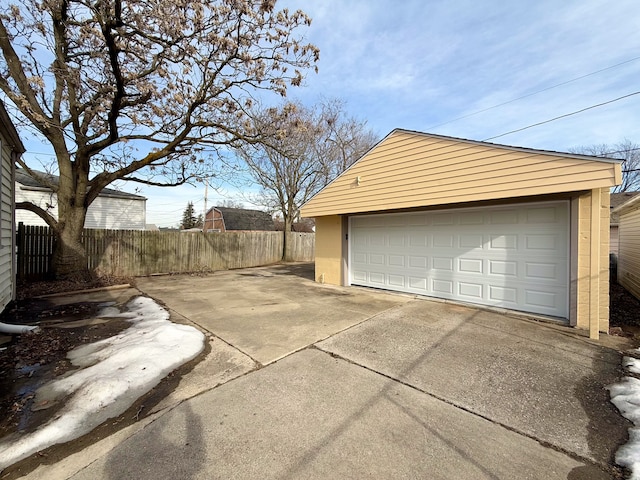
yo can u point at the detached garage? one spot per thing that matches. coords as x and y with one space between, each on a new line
474 222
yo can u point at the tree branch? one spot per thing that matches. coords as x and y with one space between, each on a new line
41 212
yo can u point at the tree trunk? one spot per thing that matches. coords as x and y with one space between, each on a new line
288 221
69 257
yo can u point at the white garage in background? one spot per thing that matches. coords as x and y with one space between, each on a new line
475 222
513 256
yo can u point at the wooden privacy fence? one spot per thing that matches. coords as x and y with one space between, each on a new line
136 253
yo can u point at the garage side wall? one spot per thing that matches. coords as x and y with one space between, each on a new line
329 232
585 270
629 251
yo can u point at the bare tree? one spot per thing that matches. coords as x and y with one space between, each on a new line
230 203
132 89
306 149
628 152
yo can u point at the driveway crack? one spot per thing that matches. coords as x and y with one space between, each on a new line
602 466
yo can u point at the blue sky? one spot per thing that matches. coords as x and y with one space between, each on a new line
418 64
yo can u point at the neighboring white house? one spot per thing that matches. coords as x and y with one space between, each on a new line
629 248
10 149
111 210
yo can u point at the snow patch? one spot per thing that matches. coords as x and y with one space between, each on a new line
113 373
626 397
631 364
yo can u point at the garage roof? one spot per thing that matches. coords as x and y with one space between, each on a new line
408 169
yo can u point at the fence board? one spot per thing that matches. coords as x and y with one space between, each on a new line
136 253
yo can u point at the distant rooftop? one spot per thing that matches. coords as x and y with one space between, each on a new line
618 199
26 180
244 219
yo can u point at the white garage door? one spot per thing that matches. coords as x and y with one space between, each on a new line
514 256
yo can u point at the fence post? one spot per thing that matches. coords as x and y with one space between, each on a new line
20 254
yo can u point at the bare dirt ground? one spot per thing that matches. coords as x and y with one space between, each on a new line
624 309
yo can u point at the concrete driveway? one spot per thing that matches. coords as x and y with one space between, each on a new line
312 381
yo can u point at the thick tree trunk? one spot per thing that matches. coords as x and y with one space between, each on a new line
69 257
288 221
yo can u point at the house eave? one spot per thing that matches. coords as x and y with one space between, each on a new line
628 206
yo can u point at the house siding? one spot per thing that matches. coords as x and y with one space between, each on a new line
416 170
613 239
106 212
629 250
116 214
6 226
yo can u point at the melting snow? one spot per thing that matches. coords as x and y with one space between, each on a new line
113 373
626 397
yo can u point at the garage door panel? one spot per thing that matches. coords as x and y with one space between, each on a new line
471 218
514 257
443 241
503 242
504 217
443 264
442 287
376 259
440 219
503 295
543 242
418 240
418 285
503 268
419 262
546 215
470 265
547 271
471 292
377 279
466 241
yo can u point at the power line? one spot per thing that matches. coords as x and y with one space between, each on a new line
533 93
619 151
562 116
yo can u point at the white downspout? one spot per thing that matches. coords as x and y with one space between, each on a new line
16 329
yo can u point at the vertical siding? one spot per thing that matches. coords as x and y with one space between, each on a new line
629 251
6 226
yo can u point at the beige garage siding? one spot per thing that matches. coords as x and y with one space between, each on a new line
584 270
409 169
412 171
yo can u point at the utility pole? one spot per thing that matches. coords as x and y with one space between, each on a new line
206 193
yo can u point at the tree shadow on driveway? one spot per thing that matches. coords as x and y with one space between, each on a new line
178 454
607 429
